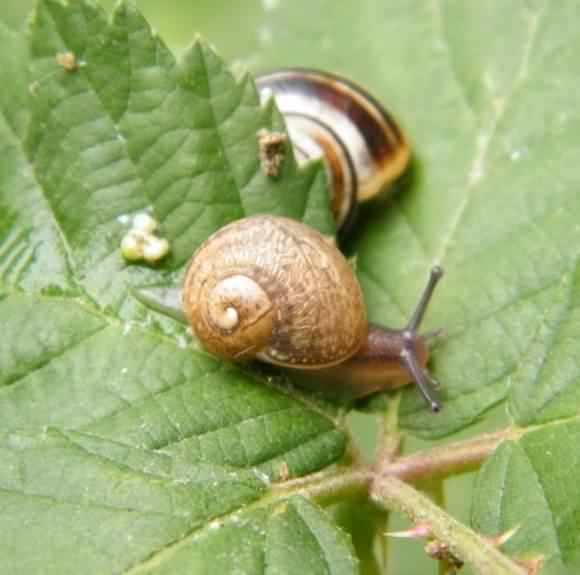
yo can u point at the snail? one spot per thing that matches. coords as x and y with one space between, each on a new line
328 116
273 289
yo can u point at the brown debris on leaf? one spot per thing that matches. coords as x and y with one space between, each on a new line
271 150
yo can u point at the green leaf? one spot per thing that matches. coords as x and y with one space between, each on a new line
288 537
70 366
125 448
95 506
487 93
32 253
533 483
132 129
492 192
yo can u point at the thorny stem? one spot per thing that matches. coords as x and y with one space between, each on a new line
439 462
328 486
447 460
387 486
393 494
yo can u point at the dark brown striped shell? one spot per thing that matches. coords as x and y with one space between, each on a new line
272 288
331 117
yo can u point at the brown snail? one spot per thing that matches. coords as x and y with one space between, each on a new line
274 289
328 116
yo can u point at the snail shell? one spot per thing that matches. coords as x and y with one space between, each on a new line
330 117
272 288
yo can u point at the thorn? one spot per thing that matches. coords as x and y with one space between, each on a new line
420 531
503 538
532 566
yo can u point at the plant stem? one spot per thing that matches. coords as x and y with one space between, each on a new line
447 460
345 481
391 493
386 485
328 486
390 443
390 439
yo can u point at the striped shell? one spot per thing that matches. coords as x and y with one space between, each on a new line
272 288
330 117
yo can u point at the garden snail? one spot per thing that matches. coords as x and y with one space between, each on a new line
330 117
274 289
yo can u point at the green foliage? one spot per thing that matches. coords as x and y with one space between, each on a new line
123 449
167 439
488 94
533 483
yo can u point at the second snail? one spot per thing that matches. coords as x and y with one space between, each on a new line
330 117
273 289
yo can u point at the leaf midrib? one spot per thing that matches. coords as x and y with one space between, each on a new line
486 137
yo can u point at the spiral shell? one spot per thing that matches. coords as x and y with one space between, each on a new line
330 117
272 288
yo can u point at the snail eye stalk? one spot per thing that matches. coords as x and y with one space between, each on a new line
424 381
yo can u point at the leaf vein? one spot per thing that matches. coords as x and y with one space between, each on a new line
46 360
485 138
86 504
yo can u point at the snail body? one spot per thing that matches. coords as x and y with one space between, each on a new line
330 117
273 289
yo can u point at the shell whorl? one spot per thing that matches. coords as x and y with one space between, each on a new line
330 117
228 309
295 298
